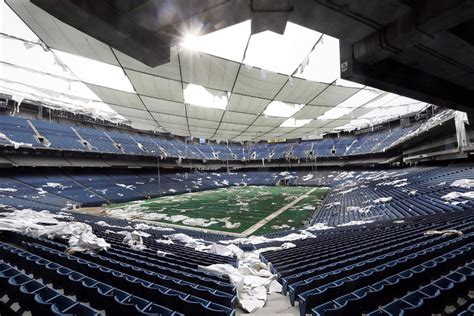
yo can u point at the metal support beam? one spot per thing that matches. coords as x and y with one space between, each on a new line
421 24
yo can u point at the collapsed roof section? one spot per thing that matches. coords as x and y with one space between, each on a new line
227 85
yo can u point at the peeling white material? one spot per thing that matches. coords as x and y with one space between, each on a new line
352 208
8 189
255 240
354 223
445 233
457 195
143 226
134 240
79 235
128 187
283 226
105 224
383 200
252 279
463 183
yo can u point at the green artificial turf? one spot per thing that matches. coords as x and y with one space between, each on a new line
246 205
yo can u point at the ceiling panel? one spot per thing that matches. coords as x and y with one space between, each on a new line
169 70
232 127
208 71
269 121
260 129
334 95
255 82
156 87
202 123
149 125
246 104
239 118
61 36
117 97
311 112
164 106
300 91
130 113
170 119
204 113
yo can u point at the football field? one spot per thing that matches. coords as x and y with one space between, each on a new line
248 210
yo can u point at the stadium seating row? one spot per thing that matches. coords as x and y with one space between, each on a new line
354 196
41 134
383 268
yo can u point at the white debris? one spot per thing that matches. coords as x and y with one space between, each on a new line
352 208
128 187
105 224
134 240
457 195
199 222
52 185
382 200
348 191
463 183
172 190
162 253
186 240
164 241
354 223
17 145
228 224
330 205
44 223
252 278
445 233
41 191
143 226
283 226
255 240
412 192
286 245
307 177
319 226
8 189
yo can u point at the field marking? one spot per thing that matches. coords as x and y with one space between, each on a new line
265 220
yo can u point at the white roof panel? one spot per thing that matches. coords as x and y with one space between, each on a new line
259 83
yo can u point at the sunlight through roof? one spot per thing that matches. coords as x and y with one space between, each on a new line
11 24
281 53
96 72
282 109
323 63
292 122
353 102
200 96
229 42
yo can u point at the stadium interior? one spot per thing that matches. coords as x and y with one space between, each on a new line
233 157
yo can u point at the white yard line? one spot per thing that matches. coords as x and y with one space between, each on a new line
264 221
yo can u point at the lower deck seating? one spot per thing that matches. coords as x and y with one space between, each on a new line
389 268
37 275
354 196
383 268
